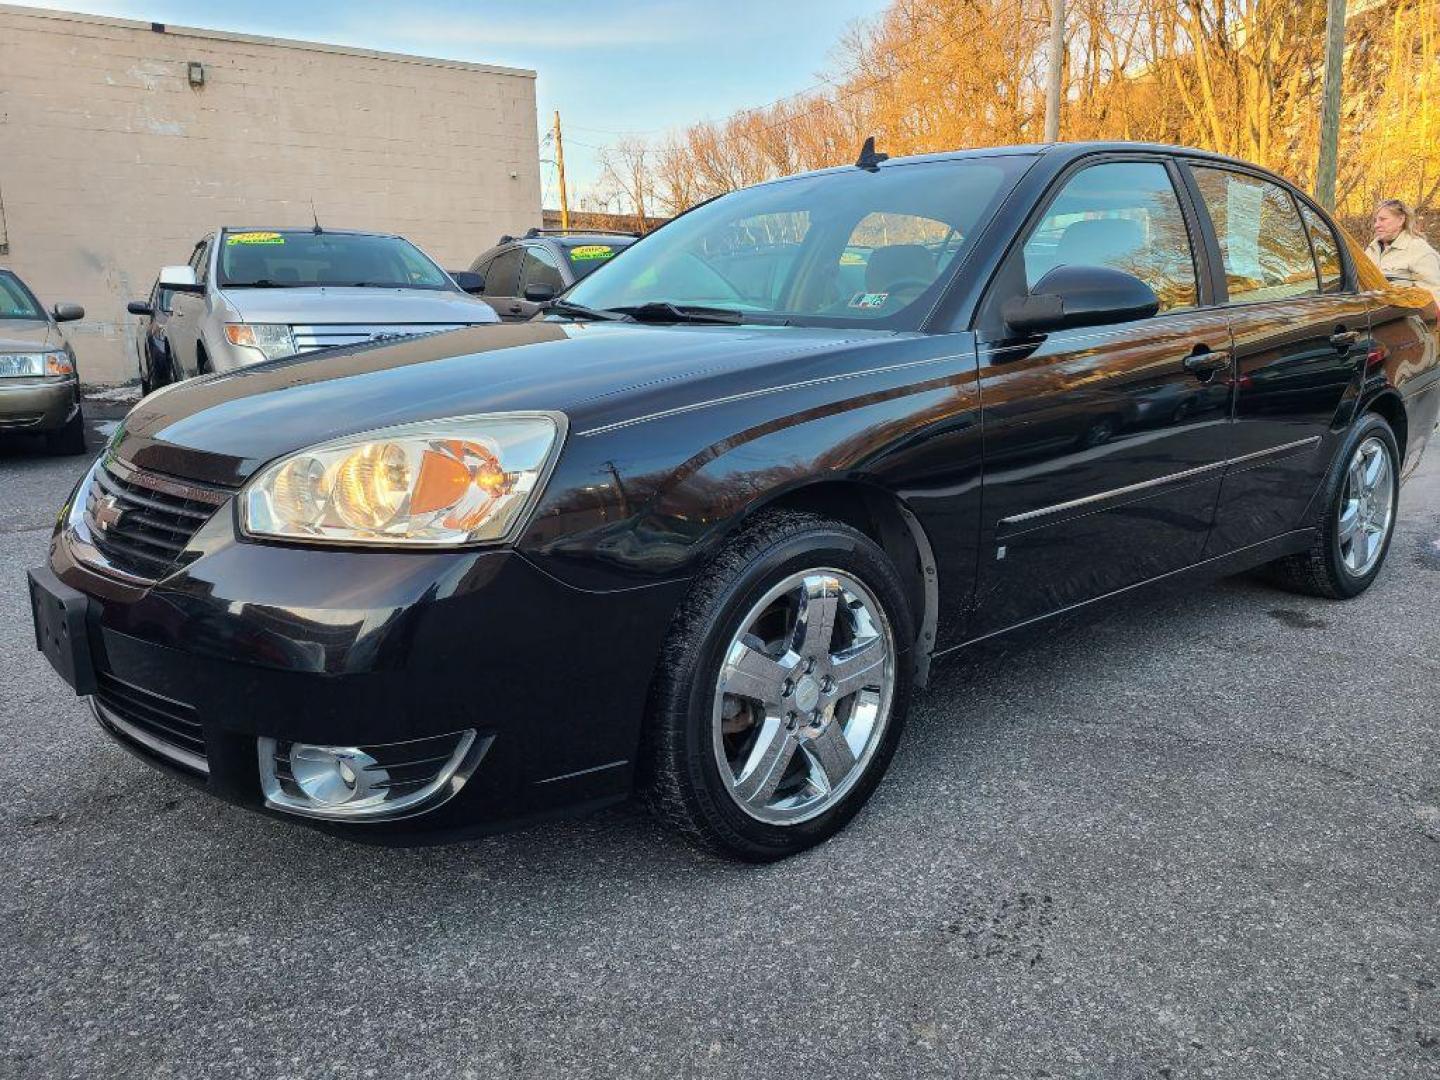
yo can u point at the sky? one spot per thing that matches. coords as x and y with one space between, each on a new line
609 66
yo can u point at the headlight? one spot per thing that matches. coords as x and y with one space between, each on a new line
54 362
440 483
274 340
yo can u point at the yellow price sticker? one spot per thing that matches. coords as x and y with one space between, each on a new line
254 238
591 251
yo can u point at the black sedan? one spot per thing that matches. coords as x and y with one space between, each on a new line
702 529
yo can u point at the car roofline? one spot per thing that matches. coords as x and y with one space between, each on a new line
1057 151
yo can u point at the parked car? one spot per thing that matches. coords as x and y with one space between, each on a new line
520 276
705 542
39 380
147 337
249 295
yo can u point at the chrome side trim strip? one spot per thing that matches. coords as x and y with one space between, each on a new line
1297 445
1100 496
1186 474
114 724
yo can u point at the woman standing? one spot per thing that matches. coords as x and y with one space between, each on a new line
1401 253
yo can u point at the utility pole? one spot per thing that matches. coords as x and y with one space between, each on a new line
1328 164
1057 70
560 165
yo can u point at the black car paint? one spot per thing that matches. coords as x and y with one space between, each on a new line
677 435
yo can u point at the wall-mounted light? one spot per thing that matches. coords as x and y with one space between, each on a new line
196 71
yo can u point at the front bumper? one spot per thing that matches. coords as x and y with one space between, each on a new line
36 405
266 641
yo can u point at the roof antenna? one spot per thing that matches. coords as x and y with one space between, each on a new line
869 160
316 218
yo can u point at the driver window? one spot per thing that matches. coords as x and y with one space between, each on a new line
540 268
200 262
1123 215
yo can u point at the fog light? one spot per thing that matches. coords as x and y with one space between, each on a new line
377 782
336 775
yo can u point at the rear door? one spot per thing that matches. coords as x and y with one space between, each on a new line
1301 333
1103 449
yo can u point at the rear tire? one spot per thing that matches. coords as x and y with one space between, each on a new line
70 439
809 618
1360 503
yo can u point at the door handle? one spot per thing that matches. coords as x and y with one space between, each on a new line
1342 339
1203 362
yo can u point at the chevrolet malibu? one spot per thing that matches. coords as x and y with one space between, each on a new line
702 529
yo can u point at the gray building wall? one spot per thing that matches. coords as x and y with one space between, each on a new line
112 164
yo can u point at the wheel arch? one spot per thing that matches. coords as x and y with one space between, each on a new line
882 516
1388 405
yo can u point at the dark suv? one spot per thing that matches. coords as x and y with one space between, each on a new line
701 529
520 275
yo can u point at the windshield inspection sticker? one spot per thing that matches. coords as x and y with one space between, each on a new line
254 238
869 299
591 251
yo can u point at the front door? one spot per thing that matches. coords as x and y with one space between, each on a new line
502 284
187 317
1104 446
1301 333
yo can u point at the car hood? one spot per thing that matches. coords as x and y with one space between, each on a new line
308 306
17 335
220 429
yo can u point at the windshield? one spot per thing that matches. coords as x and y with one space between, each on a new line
303 257
16 302
838 249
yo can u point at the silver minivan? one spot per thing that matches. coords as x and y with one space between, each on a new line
249 295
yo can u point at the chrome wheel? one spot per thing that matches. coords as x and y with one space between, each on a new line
1367 507
803 696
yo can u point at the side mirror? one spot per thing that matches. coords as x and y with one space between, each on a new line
180 279
1080 296
469 280
67 312
539 292
139 307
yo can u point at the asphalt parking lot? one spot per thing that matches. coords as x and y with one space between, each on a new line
1196 834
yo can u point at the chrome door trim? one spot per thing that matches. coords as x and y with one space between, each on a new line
1129 489
1249 460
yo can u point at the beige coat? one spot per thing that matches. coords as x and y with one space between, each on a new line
1409 259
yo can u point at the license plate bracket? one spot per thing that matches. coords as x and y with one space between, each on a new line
61 616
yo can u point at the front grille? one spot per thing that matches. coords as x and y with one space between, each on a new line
310 337
141 522
20 420
159 724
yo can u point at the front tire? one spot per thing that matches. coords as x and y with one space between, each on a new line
782 689
1361 497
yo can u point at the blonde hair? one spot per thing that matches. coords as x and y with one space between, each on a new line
1407 215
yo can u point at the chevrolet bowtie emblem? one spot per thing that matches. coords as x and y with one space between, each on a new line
108 512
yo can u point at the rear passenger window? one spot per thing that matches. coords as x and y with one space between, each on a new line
1123 215
1262 242
1327 251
